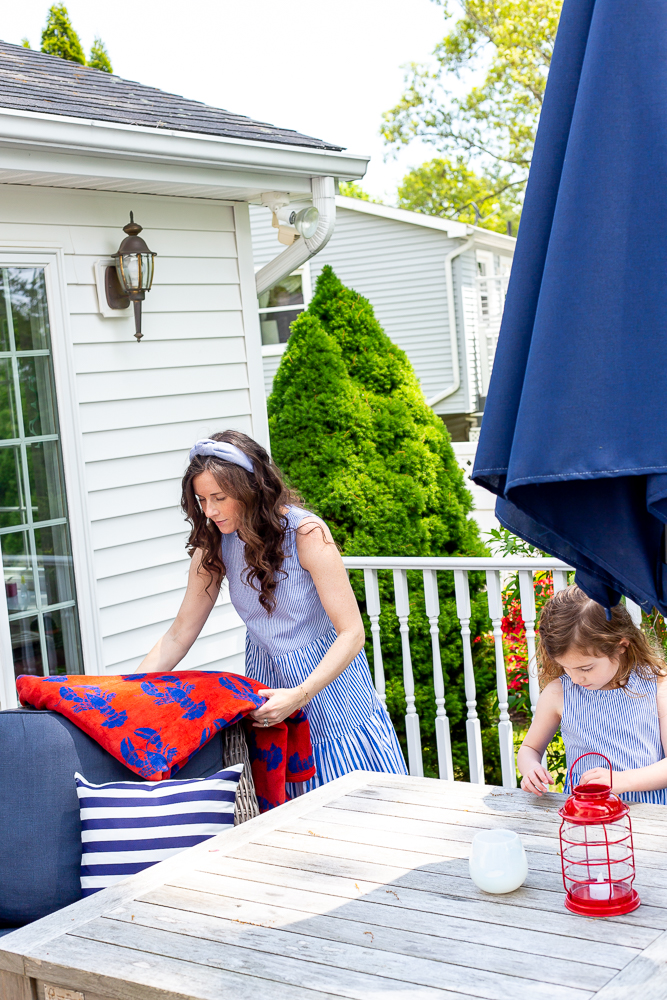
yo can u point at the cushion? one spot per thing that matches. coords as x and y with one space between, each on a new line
127 826
41 830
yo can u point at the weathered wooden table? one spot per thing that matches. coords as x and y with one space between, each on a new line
358 890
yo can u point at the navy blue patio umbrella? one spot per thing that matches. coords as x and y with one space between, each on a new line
574 435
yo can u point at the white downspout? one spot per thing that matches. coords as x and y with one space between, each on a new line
324 199
453 338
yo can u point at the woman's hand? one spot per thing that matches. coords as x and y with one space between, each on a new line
281 704
537 780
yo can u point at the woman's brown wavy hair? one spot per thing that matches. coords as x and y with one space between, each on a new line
571 619
262 494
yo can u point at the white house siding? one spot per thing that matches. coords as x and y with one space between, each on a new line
484 502
399 267
141 406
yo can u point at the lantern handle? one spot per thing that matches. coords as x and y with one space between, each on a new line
592 753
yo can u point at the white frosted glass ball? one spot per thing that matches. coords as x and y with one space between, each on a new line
498 862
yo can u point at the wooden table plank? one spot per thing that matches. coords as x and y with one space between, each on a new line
485 908
379 912
341 926
357 832
398 878
464 824
125 973
359 971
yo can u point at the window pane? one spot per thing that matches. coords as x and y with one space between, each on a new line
275 327
38 396
17 567
62 641
47 486
28 304
12 502
288 293
54 558
25 646
4 322
8 422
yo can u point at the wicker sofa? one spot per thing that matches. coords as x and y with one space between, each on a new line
40 827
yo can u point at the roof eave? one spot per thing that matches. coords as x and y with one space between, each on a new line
91 137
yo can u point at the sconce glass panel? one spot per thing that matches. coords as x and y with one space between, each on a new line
135 271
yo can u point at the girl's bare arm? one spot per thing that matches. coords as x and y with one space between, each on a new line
195 609
546 720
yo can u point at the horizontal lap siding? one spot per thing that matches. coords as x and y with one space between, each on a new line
142 405
399 267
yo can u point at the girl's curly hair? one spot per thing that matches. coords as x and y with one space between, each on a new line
571 619
262 495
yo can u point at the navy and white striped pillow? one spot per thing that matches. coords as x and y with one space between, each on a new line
127 826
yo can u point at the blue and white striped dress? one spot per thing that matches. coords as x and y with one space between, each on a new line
349 727
623 724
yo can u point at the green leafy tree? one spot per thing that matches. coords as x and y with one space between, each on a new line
352 432
494 123
454 191
59 37
350 189
99 57
25 42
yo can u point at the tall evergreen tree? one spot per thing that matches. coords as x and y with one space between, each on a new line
59 37
352 432
99 57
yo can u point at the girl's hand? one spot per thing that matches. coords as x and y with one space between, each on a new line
281 703
596 776
537 780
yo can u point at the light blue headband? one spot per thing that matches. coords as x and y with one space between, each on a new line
220 449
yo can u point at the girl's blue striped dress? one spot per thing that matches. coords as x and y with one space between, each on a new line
621 723
349 726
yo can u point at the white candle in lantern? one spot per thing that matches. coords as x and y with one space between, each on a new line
498 861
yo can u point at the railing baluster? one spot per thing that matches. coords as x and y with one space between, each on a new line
411 718
528 613
634 611
505 732
473 730
560 580
373 609
442 736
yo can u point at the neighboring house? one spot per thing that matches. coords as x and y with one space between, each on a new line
95 427
437 287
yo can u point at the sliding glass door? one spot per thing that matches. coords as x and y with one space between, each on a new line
34 531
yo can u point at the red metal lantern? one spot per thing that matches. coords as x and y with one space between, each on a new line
596 850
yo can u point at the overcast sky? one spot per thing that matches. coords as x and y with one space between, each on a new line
326 69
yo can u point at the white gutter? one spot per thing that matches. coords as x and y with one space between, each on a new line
451 313
324 200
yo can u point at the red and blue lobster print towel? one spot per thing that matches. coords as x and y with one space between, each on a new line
153 723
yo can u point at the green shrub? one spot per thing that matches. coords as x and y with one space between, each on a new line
352 432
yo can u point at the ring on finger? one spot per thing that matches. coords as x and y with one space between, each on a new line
266 722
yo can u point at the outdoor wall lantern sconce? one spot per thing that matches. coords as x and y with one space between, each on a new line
132 276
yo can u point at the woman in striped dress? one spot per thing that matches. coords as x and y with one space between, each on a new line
287 581
605 685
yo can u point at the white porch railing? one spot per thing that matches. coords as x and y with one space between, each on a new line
495 569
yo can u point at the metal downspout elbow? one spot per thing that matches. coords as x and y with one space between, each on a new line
453 337
324 200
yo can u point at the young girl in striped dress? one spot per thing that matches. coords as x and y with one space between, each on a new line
305 637
605 685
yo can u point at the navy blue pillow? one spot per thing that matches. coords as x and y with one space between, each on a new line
41 830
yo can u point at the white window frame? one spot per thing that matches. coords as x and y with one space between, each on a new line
276 350
52 259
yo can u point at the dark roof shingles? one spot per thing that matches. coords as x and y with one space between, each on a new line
34 81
